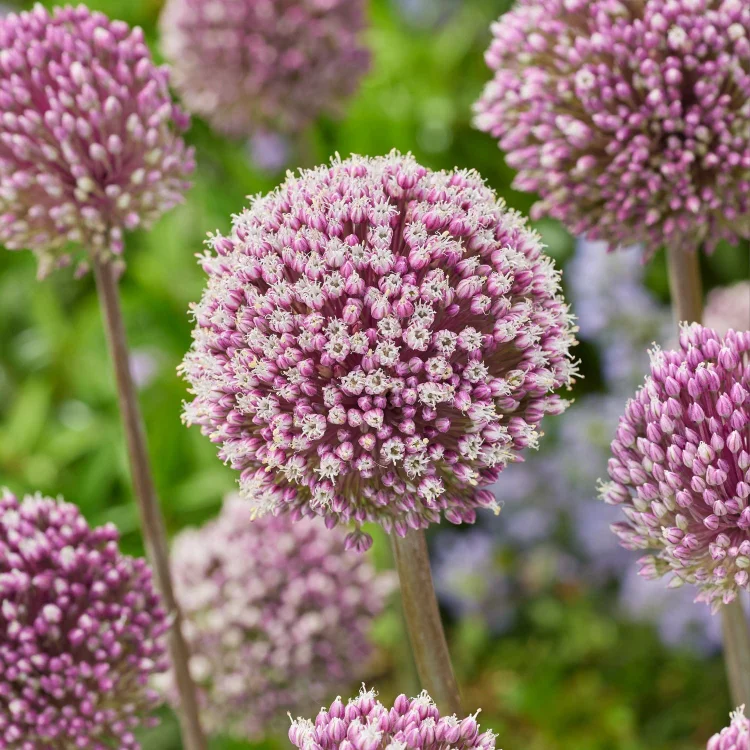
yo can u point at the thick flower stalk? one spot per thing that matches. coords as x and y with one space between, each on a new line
277 615
81 631
364 723
734 737
681 465
246 65
90 143
376 342
630 119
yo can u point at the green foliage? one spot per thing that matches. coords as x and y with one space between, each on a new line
568 676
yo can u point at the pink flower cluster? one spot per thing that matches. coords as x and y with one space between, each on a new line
364 723
734 737
630 119
277 614
681 465
81 631
89 137
377 341
278 64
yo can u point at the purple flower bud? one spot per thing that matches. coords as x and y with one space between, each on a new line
734 737
655 158
277 615
105 641
90 142
368 724
697 465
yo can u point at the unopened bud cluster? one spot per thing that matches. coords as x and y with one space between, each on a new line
681 465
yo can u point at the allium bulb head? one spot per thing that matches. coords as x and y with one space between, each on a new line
734 737
631 120
681 465
90 143
277 615
376 342
82 631
364 723
728 307
246 65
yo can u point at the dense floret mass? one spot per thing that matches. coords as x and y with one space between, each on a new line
364 723
681 465
734 737
631 118
377 341
82 631
90 141
249 64
277 614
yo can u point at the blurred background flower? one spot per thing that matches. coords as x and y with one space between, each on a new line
566 663
277 615
249 64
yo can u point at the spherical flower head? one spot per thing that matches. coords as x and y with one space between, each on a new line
277 615
728 307
734 737
364 723
90 141
630 119
81 631
377 341
681 465
278 64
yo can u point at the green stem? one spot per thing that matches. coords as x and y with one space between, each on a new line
152 521
426 633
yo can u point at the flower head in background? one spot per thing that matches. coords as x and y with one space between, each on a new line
249 64
90 141
630 119
377 341
728 307
734 737
277 615
364 723
81 631
681 465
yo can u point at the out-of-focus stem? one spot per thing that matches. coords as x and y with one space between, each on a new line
148 503
422 615
737 651
687 303
685 284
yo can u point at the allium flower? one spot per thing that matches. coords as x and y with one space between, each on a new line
681 465
81 631
248 64
89 137
277 615
630 119
377 341
364 723
734 737
728 307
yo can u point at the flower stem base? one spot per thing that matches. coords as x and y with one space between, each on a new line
426 633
